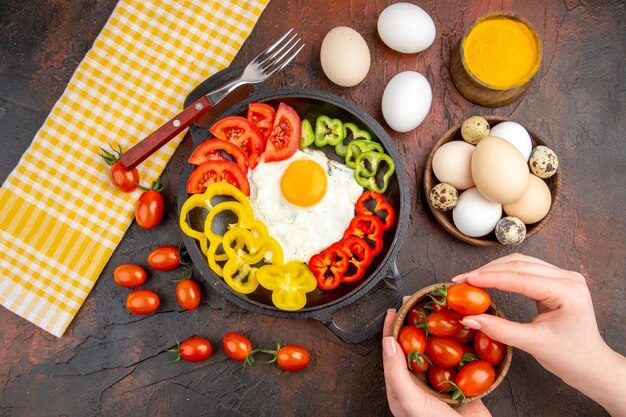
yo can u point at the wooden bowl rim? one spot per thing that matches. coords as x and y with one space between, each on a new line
501 369
445 218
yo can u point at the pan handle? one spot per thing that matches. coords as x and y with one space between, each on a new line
375 325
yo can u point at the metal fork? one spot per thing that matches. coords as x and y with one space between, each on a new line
265 65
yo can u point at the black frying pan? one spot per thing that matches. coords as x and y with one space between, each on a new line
321 305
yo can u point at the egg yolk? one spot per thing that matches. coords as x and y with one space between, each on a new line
303 183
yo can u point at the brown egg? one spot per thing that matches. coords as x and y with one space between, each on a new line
534 203
499 170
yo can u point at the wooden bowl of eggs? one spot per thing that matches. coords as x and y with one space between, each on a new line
490 181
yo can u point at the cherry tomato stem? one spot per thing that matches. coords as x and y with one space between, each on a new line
288 357
124 179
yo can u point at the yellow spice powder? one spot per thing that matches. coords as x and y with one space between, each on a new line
503 53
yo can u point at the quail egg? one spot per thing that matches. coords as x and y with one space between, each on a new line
510 231
474 129
543 162
443 196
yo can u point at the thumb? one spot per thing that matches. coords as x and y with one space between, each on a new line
508 332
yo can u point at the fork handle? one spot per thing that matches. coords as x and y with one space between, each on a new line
153 142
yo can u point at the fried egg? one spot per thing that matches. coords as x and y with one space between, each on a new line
306 201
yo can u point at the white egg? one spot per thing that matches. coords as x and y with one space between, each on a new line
474 215
344 56
406 101
304 231
406 28
516 134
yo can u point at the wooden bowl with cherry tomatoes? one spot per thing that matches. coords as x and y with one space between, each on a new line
440 349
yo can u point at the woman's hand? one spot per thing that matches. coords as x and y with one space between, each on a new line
405 398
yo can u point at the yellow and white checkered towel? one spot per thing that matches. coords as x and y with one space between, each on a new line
61 218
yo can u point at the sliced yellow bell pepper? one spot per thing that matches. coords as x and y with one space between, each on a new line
288 282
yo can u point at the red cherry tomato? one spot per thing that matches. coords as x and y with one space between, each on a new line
129 275
475 378
188 294
438 375
491 351
193 349
124 179
149 209
236 346
465 335
142 302
468 349
416 315
443 351
284 139
443 323
418 362
164 258
412 339
293 357
467 299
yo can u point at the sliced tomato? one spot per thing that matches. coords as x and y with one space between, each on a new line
262 116
242 133
214 171
284 140
214 149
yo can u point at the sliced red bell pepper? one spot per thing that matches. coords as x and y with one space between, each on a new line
369 228
372 202
360 258
329 266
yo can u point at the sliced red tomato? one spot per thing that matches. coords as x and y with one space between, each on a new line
242 133
214 149
284 140
214 171
262 116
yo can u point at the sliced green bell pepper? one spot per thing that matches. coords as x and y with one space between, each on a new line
328 131
308 136
370 170
357 147
350 132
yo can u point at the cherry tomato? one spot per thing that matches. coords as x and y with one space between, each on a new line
193 349
416 315
443 323
124 179
418 362
142 302
465 335
236 346
475 378
214 171
165 258
443 351
150 206
242 133
468 349
293 357
412 339
129 275
188 294
262 116
437 375
284 140
491 351
467 299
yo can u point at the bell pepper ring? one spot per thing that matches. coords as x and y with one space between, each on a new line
357 147
372 202
361 256
205 201
350 132
369 228
329 266
289 284
369 171
328 131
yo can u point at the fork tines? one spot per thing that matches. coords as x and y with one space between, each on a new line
275 57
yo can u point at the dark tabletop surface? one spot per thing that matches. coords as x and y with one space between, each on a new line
112 363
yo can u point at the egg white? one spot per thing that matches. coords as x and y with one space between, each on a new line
304 231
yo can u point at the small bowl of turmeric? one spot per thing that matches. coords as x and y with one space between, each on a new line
494 62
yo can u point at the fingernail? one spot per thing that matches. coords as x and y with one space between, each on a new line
389 347
391 311
463 277
472 324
